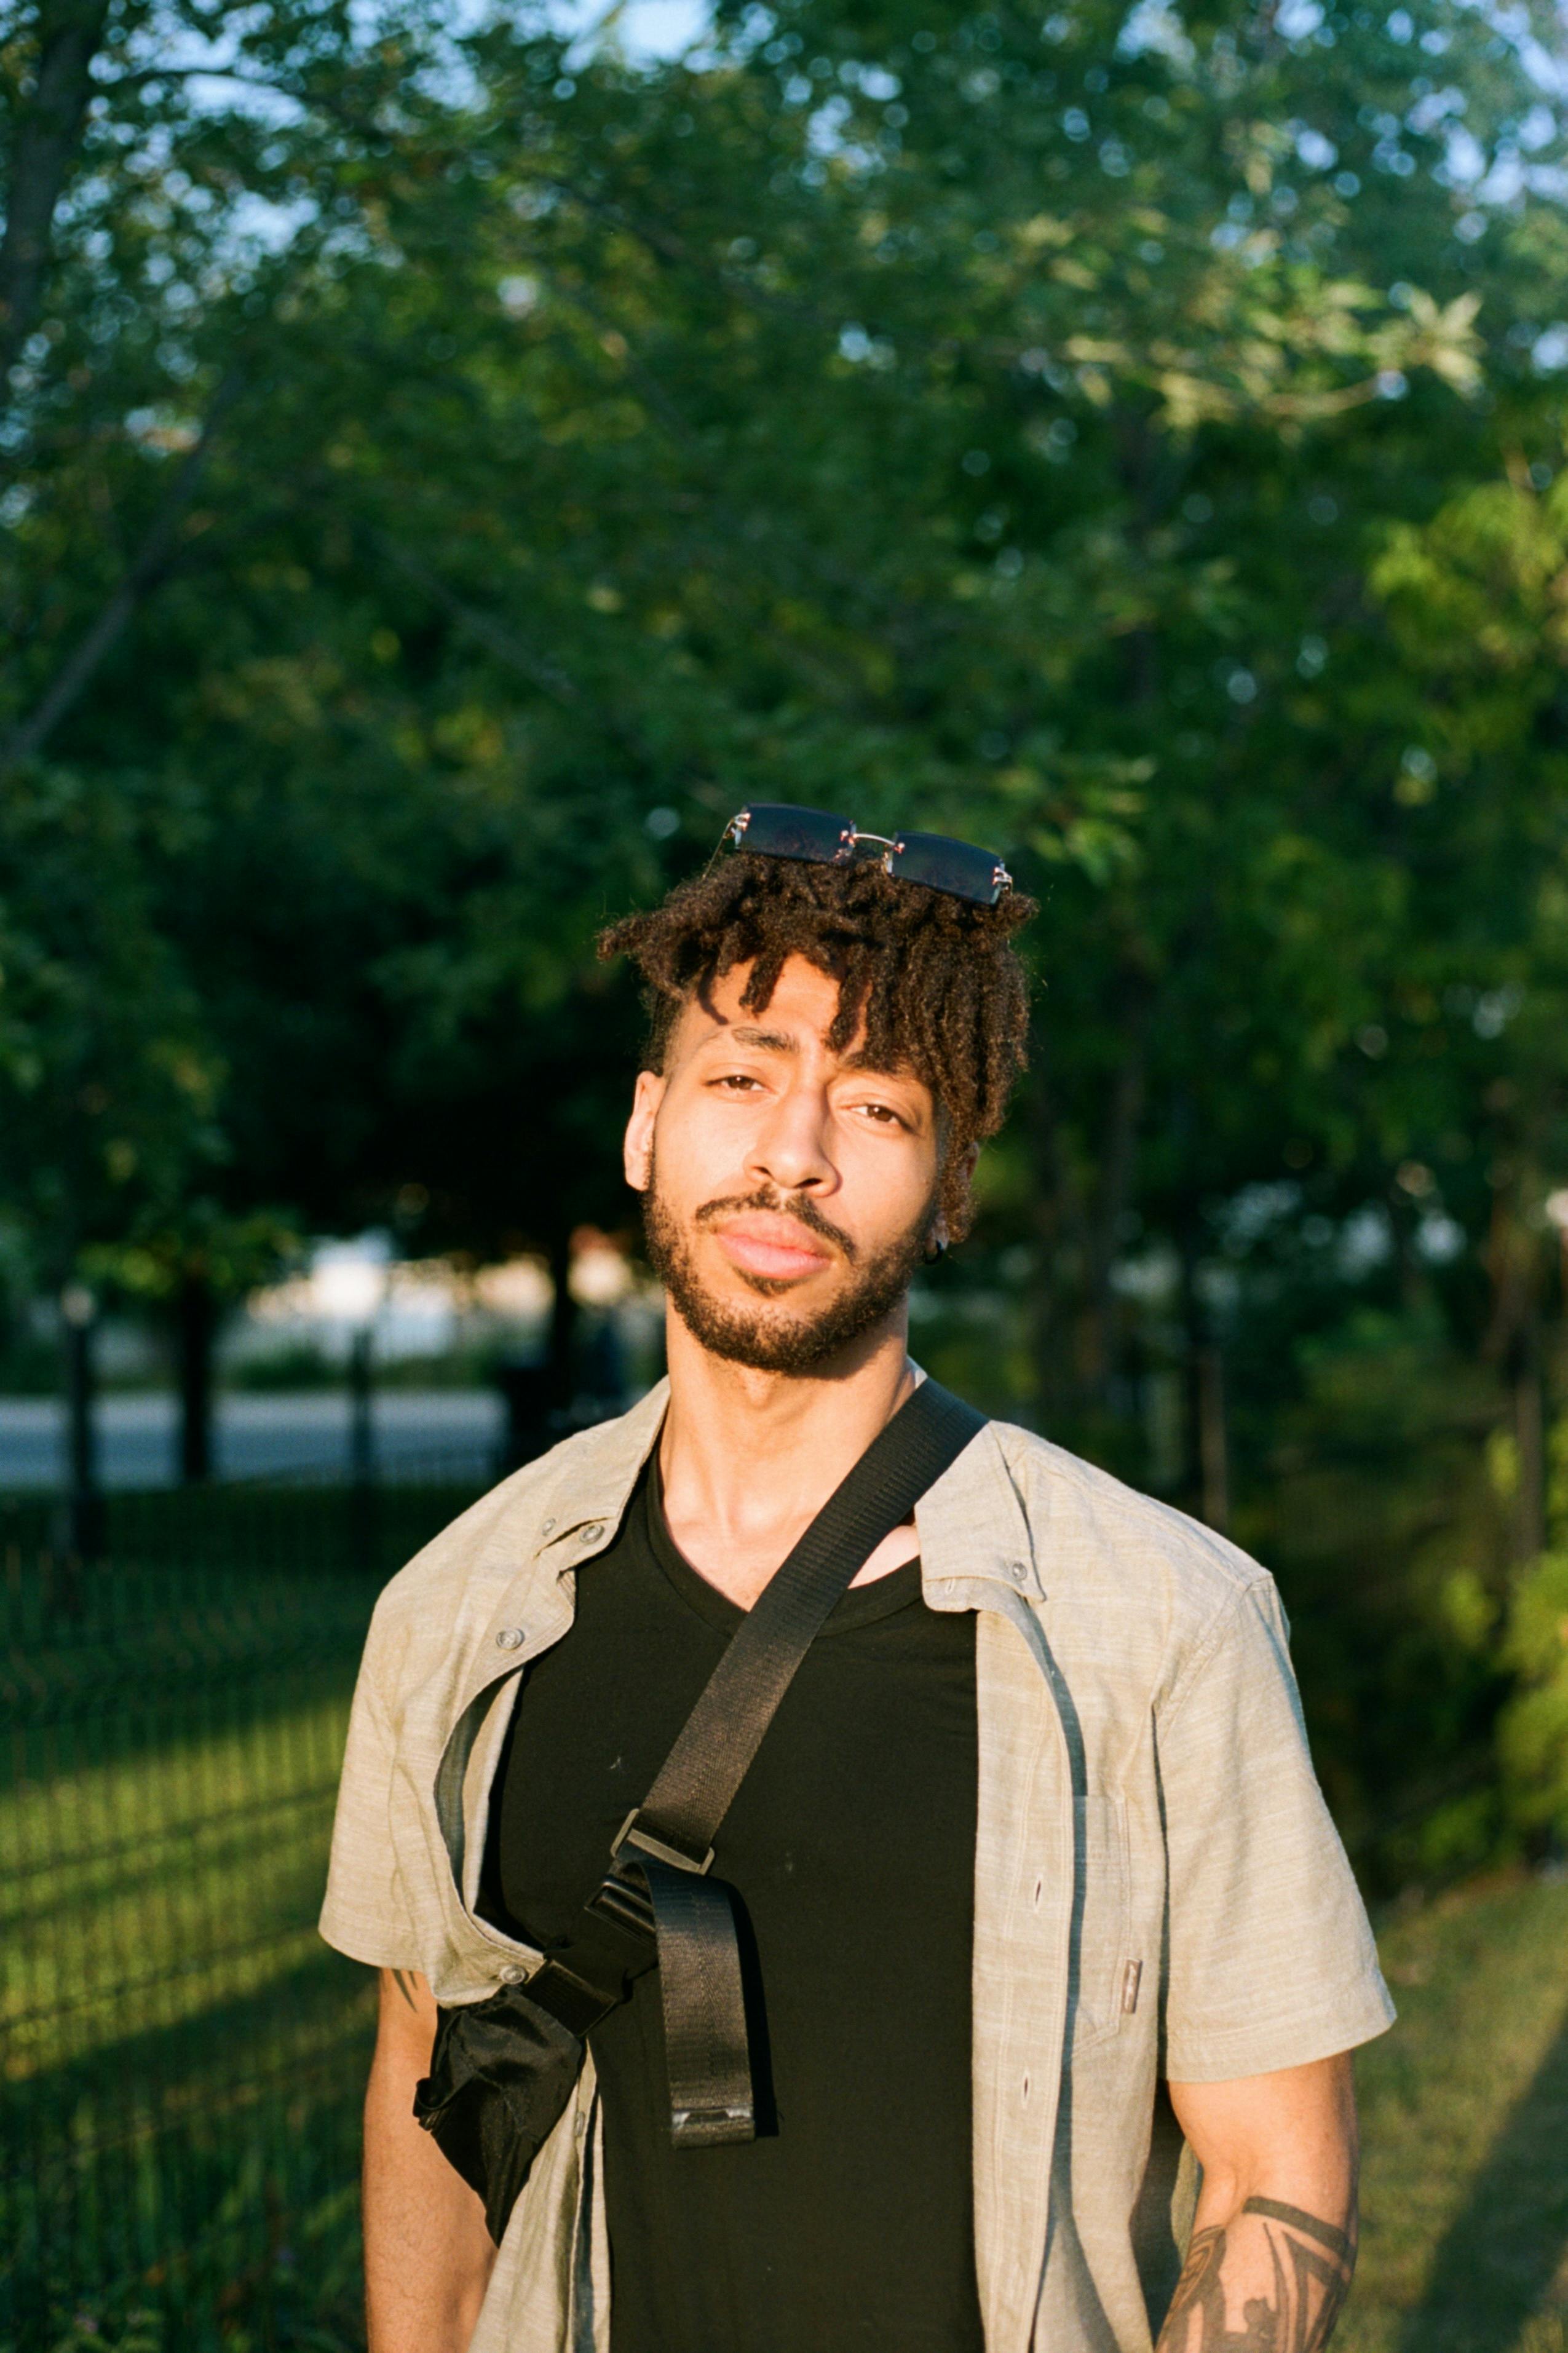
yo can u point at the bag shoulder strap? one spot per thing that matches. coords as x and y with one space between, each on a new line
695 1786
657 1883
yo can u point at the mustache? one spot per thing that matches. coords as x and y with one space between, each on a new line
797 1206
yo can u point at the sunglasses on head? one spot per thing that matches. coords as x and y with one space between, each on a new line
771 829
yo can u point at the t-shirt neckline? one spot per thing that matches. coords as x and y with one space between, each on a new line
862 1606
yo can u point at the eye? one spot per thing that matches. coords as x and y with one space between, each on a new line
740 1080
883 1113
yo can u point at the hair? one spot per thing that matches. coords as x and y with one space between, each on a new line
936 979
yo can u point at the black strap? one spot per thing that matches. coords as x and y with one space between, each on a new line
695 1786
657 1884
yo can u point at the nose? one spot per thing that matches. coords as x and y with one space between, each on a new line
789 1149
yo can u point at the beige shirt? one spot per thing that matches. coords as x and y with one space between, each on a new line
1159 1890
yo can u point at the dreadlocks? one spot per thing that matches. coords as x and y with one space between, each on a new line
935 978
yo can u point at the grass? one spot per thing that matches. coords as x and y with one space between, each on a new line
1465 2127
181 2057
1465 2108
167 1881
181 2060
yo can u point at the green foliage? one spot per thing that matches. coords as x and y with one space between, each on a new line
1386 1544
450 473
109 1077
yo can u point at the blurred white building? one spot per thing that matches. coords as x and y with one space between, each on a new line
416 1308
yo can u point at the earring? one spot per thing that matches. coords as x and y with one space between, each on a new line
935 1249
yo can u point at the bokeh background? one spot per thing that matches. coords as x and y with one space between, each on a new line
451 456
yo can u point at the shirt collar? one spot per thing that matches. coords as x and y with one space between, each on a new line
972 1524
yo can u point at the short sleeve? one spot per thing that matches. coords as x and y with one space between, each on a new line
365 1915
1271 1956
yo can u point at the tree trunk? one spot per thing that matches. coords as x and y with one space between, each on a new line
561 1358
196 1329
84 1500
1213 1440
1190 1484
1051 1208
1513 1343
1117 1161
1529 1441
362 1497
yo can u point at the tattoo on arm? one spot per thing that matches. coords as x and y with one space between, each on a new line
405 1979
1311 2263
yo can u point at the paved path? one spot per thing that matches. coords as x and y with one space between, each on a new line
255 1436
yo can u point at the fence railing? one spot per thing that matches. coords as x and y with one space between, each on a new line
182 2059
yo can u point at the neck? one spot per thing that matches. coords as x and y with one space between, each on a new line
748 1459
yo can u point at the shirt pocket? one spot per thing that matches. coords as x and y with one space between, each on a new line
1101 1914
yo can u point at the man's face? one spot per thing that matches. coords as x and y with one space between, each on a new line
789 1191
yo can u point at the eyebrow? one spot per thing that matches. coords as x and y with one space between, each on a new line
779 1041
768 1041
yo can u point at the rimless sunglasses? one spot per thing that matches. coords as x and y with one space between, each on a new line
771 829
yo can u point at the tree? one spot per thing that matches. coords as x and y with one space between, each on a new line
1082 433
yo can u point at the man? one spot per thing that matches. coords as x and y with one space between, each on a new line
1034 1878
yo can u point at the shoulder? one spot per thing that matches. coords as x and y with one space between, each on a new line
1126 1556
1096 1514
486 1548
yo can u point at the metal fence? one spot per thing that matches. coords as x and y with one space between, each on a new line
182 2058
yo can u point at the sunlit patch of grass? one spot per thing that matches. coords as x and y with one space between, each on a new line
1465 2125
140 1891
183 2058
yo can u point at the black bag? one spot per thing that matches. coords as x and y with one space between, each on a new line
503 2070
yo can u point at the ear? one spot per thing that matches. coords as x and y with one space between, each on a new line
637 1153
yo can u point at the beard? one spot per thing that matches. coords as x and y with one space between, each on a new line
777 1340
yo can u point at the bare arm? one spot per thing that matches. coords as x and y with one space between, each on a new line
427 2251
1274 2241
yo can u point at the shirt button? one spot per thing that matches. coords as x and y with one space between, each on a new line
510 1638
592 1532
1018 1571
512 1973
546 1528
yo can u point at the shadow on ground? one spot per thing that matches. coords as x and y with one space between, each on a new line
1506 2251
201 2174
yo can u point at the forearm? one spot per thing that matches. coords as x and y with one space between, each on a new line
1265 2276
427 2254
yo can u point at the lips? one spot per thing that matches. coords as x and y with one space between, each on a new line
778 1249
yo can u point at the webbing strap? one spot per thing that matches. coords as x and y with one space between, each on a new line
696 1783
656 1883
705 2053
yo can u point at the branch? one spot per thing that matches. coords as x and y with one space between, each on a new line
539 670
138 77
508 648
146 567
47 138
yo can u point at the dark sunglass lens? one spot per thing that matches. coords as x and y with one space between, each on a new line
956 867
779 831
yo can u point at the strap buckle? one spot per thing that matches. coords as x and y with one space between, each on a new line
570 2001
625 1895
632 1833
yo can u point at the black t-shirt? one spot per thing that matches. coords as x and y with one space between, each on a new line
846 2227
